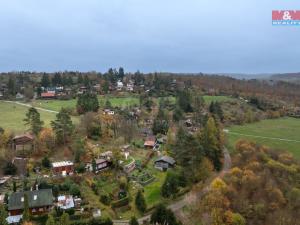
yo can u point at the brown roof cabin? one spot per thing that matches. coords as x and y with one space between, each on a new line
63 168
150 141
23 142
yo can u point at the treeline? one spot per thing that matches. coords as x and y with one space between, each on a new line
157 83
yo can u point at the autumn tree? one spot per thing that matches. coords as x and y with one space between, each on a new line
91 125
211 143
46 139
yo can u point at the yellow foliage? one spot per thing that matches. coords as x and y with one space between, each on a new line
4 138
27 223
89 181
218 184
236 172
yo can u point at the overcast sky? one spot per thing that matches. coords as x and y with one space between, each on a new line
149 35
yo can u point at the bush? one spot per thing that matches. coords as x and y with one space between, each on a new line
10 169
46 162
75 191
70 211
105 199
80 168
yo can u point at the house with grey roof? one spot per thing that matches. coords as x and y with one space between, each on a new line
164 163
39 202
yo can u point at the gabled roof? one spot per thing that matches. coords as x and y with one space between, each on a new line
38 198
48 94
167 159
24 136
150 141
100 161
62 163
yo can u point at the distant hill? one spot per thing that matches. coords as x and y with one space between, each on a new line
247 76
289 77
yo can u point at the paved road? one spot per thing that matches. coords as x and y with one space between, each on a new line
190 197
29 106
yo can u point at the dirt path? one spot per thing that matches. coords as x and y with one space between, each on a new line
189 198
29 106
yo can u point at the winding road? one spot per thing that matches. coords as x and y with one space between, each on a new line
189 198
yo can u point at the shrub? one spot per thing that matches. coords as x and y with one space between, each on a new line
10 169
80 168
75 191
46 162
105 199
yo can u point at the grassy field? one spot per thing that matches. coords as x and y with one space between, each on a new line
208 99
12 116
56 105
283 133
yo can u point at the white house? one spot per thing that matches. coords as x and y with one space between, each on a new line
65 202
120 85
108 112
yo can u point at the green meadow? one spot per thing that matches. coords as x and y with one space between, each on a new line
208 99
56 105
12 116
283 133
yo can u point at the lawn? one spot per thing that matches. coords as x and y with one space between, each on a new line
12 116
208 99
153 190
56 105
119 101
283 133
